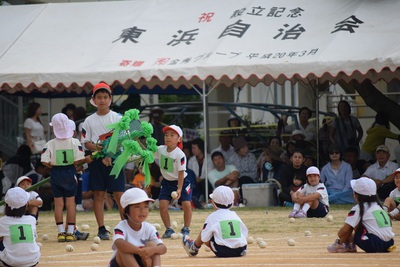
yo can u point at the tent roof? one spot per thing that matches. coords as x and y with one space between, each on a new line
155 44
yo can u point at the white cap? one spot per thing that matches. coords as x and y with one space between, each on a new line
396 171
312 170
382 148
61 126
16 197
134 196
223 195
22 178
296 132
174 128
364 186
72 125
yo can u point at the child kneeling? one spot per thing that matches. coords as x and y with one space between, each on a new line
136 242
223 231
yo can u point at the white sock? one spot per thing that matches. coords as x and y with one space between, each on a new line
394 212
305 207
60 228
296 206
71 228
385 208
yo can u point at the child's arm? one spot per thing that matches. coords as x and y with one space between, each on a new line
147 252
309 198
88 159
181 176
35 202
126 247
47 164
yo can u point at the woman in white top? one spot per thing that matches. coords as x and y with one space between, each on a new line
33 128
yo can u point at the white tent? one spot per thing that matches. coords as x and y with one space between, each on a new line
71 46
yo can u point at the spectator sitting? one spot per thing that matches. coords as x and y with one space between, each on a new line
271 163
225 147
245 162
305 126
382 172
287 154
197 164
224 174
295 169
298 137
236 127
376 135
323 138
358 166
297 183
336 175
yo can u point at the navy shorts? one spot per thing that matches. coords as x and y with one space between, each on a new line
321 211
113 262
101 180
167 187
370 243
225 252
63 181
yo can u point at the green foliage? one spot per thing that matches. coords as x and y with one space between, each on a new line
191 121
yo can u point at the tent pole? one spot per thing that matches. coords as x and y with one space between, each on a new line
205 119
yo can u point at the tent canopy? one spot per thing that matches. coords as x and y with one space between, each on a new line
155 43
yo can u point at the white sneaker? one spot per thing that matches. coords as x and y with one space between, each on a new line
79 207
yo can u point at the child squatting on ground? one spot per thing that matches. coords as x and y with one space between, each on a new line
172 161
135 241
61 154
223 231
34 201
392 202
367 225
18 245
311 200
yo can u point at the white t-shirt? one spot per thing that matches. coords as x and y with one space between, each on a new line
171 162
226 227
395 195
215 175
37 129
193 164
377 172
147 233
62 152
95 125
228 155
320 188
19 239
375 220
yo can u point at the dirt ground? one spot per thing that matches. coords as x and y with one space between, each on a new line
271 224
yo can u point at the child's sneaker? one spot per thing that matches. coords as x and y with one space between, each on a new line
293 213
61 237
104 234
189 246
70 237
300 214
168 233
336 247
185 231
351 247
391 248
81 235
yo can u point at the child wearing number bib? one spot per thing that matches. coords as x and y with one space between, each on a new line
61 154
367 224
223 231
172 161
18 245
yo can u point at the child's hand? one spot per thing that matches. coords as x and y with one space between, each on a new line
179 193
107 161
145 252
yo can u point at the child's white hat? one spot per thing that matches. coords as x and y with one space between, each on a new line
16 197
61 126
364 186
134 196
396 171
22 178
223 195
174 128
312 170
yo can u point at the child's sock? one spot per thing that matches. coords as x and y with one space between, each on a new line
296 206
60 227
305 207
395 212
385 208
71 228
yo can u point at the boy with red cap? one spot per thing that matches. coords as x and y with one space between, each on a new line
34 201
100 180
172 161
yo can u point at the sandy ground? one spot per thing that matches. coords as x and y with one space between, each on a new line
271 224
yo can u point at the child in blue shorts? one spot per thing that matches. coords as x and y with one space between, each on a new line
172 161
